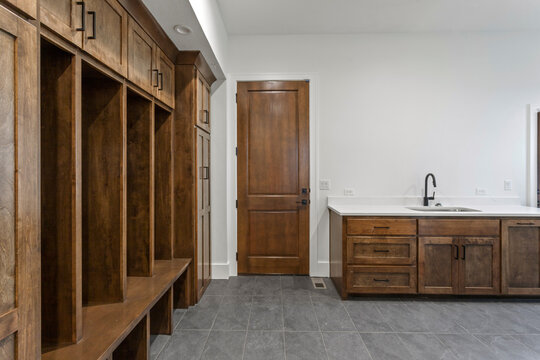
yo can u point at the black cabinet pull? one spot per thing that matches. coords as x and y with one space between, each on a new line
381 280
464 247
381 251
206 118
206 173
381 227
525 223
160 81
457 252
83 16
155 71
93 14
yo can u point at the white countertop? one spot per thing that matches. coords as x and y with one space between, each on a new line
401 210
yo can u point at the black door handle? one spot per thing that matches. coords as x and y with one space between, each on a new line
457 252
83 16
464 247
93 14
303 202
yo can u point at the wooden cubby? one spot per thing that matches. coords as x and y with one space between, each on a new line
161 315
61 295
163 184
103 188
136 346
140 183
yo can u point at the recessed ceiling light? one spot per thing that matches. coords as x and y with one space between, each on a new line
182 29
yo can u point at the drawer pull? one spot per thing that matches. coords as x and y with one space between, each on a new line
381 280
381 251
520 223
381 227
93 36
83 17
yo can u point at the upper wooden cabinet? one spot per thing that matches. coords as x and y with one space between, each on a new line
65 17
203 103
106 33
29 7
521 257
164 89
142 69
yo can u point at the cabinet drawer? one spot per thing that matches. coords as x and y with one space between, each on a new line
381 250
381 226
382 279
429 227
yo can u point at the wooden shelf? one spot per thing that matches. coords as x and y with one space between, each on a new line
106 326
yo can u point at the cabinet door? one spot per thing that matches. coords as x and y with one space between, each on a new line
437 265
521 257
203 103
65 17
479 269
27 6
19 190
206 206
200 212
141 58
165 89
106 33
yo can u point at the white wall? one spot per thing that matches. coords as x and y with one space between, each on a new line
396 106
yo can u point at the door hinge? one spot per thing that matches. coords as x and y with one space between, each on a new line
237 204
236 149
236 98
237 256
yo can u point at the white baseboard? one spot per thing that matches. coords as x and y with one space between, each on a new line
220 271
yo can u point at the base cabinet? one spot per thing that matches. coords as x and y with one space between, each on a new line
521 257
437 265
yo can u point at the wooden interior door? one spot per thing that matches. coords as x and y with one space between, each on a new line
479 266
273 177
19 190
64 17
437 265
521 257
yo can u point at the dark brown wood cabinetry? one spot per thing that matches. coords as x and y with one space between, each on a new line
521 257
192 167
87 233
19 188
454 256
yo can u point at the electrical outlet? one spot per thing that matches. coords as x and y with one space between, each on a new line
481 191
348 192
324 184
507 185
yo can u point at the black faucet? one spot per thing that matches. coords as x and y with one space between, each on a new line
426 198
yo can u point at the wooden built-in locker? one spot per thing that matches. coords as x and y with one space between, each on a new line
192 166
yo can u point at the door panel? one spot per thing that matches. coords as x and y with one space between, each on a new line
19 189
141 58
165 89
521 257
437 265
203 103
63 17
110 32
273 177
479 266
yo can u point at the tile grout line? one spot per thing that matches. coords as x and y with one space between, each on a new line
211 327
319 326
170 336
247 328
357 332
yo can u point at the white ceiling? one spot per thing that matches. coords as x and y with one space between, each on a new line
250 17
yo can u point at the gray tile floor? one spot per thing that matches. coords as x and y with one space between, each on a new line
273 317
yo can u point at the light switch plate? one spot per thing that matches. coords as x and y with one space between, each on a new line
507 185
348 192
324 184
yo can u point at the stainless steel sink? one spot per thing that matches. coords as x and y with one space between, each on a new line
443 209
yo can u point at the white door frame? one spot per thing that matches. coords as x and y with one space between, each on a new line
315 268
532 154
